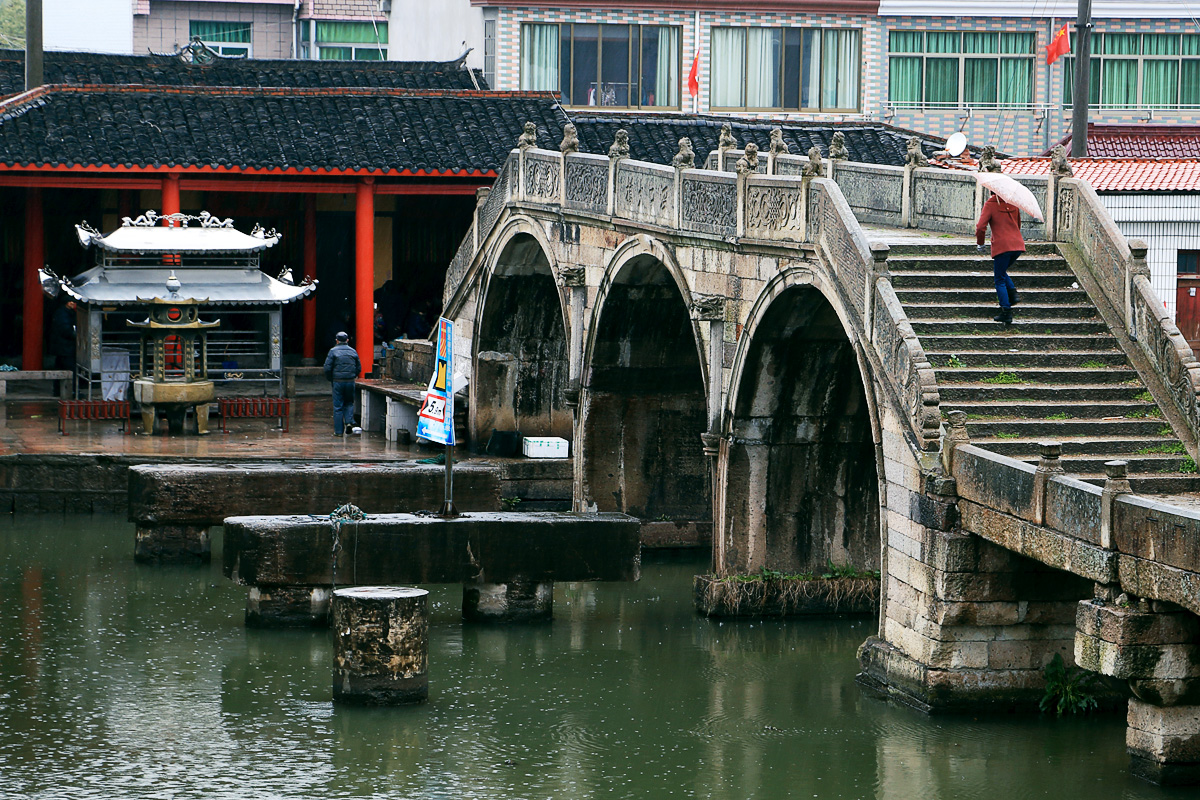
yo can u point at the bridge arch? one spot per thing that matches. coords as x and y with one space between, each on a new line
800 456
520 350
643 399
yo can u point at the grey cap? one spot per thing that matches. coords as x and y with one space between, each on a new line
342 336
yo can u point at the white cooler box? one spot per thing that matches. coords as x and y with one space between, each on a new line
544 447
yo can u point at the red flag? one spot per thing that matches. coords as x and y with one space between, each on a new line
1060 45
694 76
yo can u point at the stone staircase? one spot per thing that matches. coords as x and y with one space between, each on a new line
1056 374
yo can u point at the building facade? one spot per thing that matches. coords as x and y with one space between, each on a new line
928 65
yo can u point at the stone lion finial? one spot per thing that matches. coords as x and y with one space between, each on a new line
987 160
837 147
778 145
529 137
748 164
726 141
686 157
815 168
570 140
915 156
620 145
1058 162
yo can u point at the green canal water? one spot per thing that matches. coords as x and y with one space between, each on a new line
124 681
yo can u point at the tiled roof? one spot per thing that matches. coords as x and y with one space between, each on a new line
1122 174
1141 141
89 69
428 132
656 138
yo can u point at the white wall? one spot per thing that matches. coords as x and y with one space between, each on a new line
434 30
93 26
1167 223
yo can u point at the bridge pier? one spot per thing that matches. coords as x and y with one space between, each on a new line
515 601
1155 647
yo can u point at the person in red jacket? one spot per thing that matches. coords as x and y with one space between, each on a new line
1007 245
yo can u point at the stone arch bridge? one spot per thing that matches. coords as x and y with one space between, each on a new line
808 364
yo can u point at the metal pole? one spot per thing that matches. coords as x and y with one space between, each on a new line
1083 79
448 509
33 44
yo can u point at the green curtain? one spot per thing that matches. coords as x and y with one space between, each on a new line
1015 84
980 42
728 78
1018 43
351 32
336 53
1118 82
1160 82
942 42
906 41
1120 44
1189 82
979 80
1191 44
941 81
539 58
220 31
1160 44
1069 82
904 79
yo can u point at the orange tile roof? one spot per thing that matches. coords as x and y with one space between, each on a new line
1121 174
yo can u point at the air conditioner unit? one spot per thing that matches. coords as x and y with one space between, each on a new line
385 6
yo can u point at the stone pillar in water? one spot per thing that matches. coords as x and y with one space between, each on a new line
515 601
380 645
288 607
172 544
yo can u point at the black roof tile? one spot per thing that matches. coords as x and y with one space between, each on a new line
92 69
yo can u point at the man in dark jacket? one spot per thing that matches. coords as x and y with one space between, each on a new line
342 368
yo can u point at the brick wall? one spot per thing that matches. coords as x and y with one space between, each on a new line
167 26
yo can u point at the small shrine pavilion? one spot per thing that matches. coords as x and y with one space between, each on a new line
200 261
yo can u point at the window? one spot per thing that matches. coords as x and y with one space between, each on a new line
1187 262
352 41
227 38
1140 70
630 66
949 69
804 69
489 52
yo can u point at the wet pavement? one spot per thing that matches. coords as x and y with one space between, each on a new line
31 428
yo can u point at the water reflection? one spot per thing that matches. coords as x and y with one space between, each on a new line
127 681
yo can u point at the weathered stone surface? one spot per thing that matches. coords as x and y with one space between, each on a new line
288 607
1164 743
1073 507
1158 662
994 481
1145 578
1157 532
380 645
1130 626
172 544
206 495
676 534
404 548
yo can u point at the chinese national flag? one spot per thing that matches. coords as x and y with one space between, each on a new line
694 76
1060 45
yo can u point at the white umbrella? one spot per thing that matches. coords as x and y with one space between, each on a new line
1010 191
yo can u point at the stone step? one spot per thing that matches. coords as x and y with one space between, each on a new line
1026 449
975 310
1065 393
1017 341
974 263
987 294
1067 359
1020 327
990 410
965 280
984 373
1054 430
934 247
1156 484
1153 464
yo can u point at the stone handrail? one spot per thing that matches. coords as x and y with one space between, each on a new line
912 375
840 239
481 227
1108 534
1119 269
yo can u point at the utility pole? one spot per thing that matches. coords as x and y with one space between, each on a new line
33 44
1083 79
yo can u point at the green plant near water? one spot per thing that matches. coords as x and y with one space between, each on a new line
1003 377
1006 435
1187 465
1059 415
1092 365
510 503
955 362
1136 414
1069 690
1168 448
1166 432
1144 397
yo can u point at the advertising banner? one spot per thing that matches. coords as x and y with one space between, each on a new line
435 420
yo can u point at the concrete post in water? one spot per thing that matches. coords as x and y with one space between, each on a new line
172 544
380 645
288 607
515 601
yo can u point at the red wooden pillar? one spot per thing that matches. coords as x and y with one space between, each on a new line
364 272
170 194
35 258
310 271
